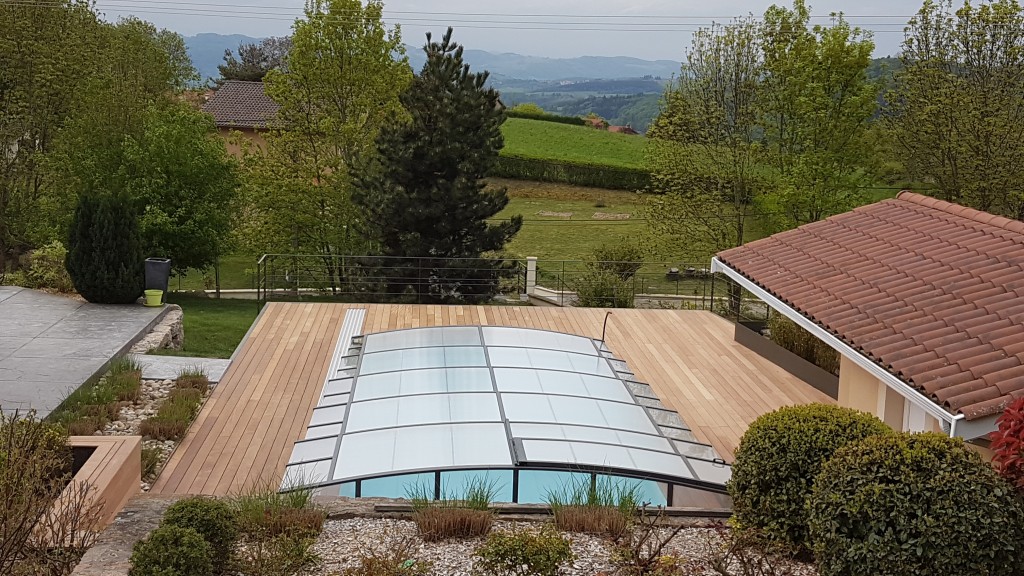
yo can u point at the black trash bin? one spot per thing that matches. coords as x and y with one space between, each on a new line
158 274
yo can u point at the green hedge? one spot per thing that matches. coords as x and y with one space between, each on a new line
574 120
778 459
914 505
575 173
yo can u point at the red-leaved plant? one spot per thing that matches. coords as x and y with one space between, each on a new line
1008 444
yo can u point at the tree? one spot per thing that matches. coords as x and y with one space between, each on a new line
340 86
180 171
957 110
47 51
424 196
817 104
255 60
705 154
105 258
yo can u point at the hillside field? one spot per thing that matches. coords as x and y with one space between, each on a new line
554 141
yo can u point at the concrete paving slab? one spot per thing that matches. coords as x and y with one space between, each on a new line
51 345
168 367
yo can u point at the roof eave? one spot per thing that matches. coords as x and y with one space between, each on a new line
902 388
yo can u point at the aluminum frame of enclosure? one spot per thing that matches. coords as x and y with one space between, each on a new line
432 401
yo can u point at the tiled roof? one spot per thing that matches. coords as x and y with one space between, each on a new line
240 104
931 291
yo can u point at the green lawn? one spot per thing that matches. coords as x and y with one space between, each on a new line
213 327
236 271
553 141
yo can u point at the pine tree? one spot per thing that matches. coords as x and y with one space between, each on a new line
105 258
423 198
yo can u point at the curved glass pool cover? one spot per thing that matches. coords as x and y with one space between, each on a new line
527 410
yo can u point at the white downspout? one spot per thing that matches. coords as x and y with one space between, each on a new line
952 424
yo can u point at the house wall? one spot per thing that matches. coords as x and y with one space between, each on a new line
860 390
234 137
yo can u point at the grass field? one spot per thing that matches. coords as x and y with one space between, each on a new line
553 141
213 328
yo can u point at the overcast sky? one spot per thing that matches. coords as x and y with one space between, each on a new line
651 29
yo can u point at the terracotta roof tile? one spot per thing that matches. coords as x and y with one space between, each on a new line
240 104
932 291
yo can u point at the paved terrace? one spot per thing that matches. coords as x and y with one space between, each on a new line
245 431
50 345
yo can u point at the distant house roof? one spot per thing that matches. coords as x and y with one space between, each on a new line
623 130
241 104
931 291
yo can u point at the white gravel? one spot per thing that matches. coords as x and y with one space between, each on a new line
343 542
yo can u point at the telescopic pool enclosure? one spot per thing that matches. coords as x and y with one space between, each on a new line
526 411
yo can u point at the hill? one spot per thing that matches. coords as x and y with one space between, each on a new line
207 50
567 143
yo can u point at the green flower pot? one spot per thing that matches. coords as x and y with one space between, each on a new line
154 297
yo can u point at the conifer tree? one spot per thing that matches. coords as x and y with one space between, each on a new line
423 197
105 258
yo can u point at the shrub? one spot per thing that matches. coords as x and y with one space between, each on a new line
604 506
914 504
641 550
86 426
105 258
1008 444
126 364
596 288
193 378
532 111
577 173
211 519
792 337
174 415
778 458
126 386
46 268
280 555
522 552
623 259
171 551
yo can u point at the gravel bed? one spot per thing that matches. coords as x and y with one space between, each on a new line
342 542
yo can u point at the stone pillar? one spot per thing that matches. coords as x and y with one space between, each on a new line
531 274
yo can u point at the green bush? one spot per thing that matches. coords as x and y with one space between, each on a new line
778 458
530 111
105 258
522 552
914 504
577 173
792 337
171 551
623 259
46 268
213 520
597 288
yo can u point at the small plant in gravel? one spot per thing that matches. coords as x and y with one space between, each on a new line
174 415
640 551
151 457
263 511
193 378
396 556
213 519
281 555
172 551
523 552
86 425
745 553
462 514
604 505
126 387
126 364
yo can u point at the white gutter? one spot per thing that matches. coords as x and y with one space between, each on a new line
890 380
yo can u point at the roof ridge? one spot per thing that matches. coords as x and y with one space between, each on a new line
962 211
242 82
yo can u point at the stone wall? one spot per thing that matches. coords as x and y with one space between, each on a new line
168 333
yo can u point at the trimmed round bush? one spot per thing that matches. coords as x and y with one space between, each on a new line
171 551
211 519
914 504
778 458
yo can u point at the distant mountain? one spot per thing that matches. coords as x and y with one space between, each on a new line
207 52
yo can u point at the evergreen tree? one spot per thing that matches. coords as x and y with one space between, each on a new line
424 197
105 258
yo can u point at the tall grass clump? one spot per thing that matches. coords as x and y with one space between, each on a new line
174 415
461 513
193 377
277 530
604 505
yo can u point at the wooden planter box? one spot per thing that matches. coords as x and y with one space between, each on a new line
810 373
113 465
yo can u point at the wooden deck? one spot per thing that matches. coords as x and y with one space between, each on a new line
245 431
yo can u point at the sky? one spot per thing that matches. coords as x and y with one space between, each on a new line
649 29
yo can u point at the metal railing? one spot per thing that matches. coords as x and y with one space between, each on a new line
360 278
